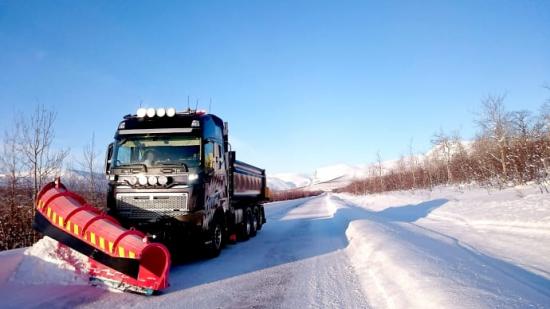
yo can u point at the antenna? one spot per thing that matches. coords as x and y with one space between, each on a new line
188 107
196 105
210 106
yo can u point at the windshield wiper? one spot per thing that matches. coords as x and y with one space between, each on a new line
133 165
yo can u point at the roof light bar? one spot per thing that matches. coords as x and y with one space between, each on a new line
161 112
141 112
171 112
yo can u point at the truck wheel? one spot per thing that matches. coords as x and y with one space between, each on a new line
215 240
258 218
253 222
246 228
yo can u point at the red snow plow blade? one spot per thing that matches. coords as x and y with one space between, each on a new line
119 257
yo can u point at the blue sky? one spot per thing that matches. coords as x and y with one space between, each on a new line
302 83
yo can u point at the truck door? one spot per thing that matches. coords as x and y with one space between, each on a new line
215 191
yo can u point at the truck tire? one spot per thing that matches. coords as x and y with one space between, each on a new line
258 218
253 222
246 226
215 239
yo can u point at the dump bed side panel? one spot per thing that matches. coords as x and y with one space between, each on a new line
248 182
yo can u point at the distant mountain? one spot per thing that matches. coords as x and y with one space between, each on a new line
331 177
285 181
81 174
325 178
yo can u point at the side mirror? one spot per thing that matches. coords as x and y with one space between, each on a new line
108 156
210 161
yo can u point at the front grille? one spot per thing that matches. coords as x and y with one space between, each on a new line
151 205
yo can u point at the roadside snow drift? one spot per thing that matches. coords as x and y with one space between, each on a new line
447 249
48 263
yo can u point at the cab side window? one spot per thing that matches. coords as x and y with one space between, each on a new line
209 155
219 155
213 149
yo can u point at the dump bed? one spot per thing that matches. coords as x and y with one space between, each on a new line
247 181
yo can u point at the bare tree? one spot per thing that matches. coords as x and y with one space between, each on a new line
413 163
10 163
379 167
444 146
544 117
90 157
37 135
90 163
15 213
494 123
543 123
521 123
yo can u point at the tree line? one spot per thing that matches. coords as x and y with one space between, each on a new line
292 194
510 148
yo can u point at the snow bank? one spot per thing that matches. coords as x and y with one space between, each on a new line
511 224
378 202
47 263
401 267
477 249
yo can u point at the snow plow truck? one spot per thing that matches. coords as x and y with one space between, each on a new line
174 185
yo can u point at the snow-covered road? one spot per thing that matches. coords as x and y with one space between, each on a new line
336 251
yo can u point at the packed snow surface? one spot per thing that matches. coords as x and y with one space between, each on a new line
446 248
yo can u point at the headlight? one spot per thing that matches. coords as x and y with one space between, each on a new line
142 180
192 177
150 112
163 180
152 180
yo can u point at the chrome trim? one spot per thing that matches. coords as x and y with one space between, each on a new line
148 131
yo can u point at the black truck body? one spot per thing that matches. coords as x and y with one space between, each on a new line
175 178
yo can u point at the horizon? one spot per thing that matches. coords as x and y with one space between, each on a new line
302 85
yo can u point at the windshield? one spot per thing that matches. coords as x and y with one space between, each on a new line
158 151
